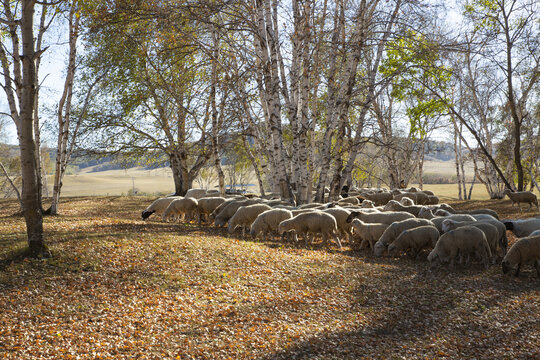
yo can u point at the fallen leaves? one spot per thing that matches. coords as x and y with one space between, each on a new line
119 287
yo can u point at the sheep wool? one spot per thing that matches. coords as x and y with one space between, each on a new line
524 251
245 216
267 222
158 206
315 222
180 207
415 239
463 241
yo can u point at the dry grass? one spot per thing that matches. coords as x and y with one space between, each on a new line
119 287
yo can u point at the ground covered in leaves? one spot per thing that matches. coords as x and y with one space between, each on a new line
118 287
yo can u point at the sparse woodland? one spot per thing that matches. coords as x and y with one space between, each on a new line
322 101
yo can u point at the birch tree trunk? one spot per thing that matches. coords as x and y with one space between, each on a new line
64 113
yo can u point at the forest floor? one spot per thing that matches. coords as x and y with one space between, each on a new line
118 288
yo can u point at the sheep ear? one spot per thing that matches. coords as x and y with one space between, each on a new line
509 225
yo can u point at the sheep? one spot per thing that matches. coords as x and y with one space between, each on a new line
245 216
428 192
490 230
379 198
349 200
158 206
207 205
522 197
425 213
432 199
416 239
311 222
310 206
406 201
380 217
394 230
501 230
367 204
410 195
186 206
393 205
524 227
442 212
479 212
228 211
341 215
534 233
227 201
421 198
268 222
523 251
195 193
438 220
464 241
369 233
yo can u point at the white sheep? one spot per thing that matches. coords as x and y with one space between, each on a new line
522 197
195 193
158 206
406 201
245 216
181 207
349 200
268 222
379 198
310 206
426 213
368 233
501 230
229 210
462 241
394 205
394 230
315 222
523 251
415 239
207 205
438 220
367 204
524 227
341 215
432 199
379 217
491 232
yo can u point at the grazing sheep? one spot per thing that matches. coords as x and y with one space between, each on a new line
428 192
393 205
522 197
310 206
501 229
523 251
379 198
524 227
415 239
268 222
245 216
315 222
369 233
158 206
349 200
421 198
207 205
195 193
438 220
181 207
462 241
432 199
442 212
227 201
425 213
406 201
379 217
230 209
410 195
341 215
367 204
394 230
480 212
491 232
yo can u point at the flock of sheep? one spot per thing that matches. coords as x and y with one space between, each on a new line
387 221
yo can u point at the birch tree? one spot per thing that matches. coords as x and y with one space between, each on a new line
18 57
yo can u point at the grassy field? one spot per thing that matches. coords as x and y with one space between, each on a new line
121 288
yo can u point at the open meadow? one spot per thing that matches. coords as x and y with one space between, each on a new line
122 288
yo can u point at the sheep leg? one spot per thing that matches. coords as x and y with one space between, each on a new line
517 270
337 239
537 267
